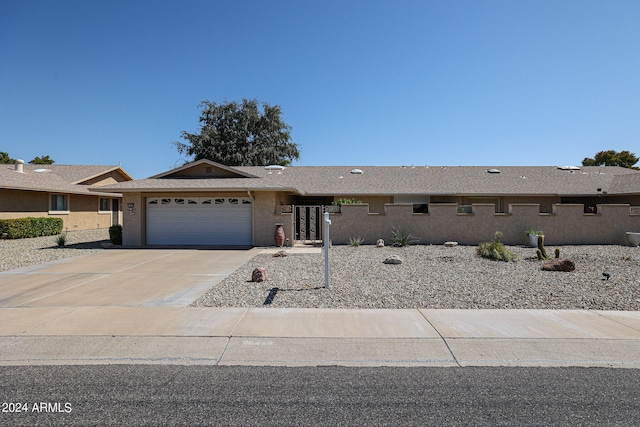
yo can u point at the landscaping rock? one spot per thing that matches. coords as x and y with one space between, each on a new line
393 259
380 243
560 264
259 275
280 254
450 244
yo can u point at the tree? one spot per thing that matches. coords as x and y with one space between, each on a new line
237 134
44 160
5 159
612 158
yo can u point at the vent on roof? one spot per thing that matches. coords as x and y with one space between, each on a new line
493 170
569 168
357 171
19 165
274 168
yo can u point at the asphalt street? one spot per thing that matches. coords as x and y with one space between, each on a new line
235 396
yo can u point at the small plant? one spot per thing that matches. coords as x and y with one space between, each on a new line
534 232
402 237
557 253
355 241
115 234
496 250
542 251
61 240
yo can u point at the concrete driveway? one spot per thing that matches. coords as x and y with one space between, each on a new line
121 278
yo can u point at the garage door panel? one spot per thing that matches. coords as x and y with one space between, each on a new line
199 221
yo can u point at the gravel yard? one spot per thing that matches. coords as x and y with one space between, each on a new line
436 277
429 277
20 253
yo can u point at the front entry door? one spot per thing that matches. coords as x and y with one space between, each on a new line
308 223
115 212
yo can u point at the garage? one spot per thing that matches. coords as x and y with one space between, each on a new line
199 221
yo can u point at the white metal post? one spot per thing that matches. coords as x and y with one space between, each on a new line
327 223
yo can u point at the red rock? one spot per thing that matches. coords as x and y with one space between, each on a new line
560 264
259 275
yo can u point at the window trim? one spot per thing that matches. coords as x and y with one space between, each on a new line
59 212
103 212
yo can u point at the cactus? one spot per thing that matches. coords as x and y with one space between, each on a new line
541 248
557 252
539 253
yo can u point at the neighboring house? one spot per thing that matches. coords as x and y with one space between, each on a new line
62 191
205 203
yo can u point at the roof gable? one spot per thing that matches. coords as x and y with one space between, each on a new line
203 169
60 178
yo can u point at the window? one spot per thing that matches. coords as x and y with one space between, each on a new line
59 202
104 204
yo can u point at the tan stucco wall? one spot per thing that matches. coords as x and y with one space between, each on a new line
566 224
265 218
132 219
82 215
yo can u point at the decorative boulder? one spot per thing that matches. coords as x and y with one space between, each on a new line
280 254
393 259
559 264
450 244
259 275
380 243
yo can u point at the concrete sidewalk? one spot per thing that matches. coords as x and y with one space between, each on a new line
312 337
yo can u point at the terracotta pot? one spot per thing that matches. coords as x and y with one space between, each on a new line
279 235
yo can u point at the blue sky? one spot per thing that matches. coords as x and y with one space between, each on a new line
479 82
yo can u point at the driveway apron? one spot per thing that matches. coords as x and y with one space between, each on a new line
121 278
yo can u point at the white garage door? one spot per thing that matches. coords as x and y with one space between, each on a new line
199 221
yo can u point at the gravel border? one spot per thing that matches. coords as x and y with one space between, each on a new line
435 277
20 253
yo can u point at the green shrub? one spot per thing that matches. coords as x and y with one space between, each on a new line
21 228
496 250
115 234
402 237
343 201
